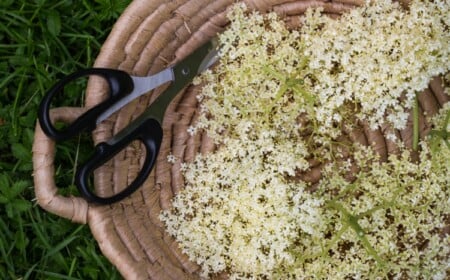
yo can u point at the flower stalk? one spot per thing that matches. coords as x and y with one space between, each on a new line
416 128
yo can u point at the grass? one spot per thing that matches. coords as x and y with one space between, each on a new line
40 41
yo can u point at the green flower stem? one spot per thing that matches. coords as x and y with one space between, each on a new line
336 238
416 124
348 189
369 212
443 132
310 99
302 258
352 221
386 204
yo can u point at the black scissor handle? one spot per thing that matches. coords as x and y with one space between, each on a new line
120 84
149 132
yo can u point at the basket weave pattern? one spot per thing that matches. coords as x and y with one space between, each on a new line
149 36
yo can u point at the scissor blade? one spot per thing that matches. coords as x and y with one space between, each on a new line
207 55
142 85
184 71
209 60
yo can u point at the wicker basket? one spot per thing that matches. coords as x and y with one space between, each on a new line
148 36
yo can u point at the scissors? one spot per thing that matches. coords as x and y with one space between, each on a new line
147 128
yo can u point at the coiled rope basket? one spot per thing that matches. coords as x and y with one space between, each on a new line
148 36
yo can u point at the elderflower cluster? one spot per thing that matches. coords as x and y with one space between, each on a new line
270 104
390 221
261 83
239 212
377 57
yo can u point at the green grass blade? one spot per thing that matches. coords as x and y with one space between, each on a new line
39 41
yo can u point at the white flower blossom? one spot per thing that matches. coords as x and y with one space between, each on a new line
276 101
171 158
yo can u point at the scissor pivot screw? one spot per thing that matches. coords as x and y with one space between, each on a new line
185 71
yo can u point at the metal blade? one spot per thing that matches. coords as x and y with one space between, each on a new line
209 60
184 71
142 85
